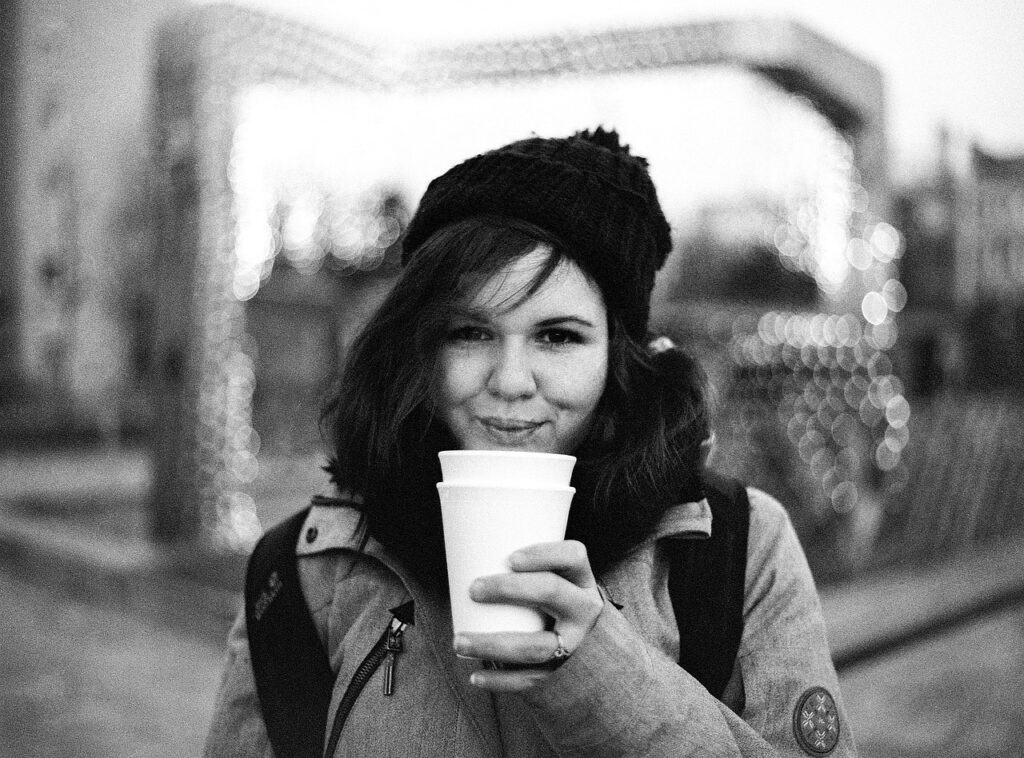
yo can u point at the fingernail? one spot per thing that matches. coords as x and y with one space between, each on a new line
474 678
514 560
475 587
460 643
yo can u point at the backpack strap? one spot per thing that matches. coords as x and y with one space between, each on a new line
293 674
707 579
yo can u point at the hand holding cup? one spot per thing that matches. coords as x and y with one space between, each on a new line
554 577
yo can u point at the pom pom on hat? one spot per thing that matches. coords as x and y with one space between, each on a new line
608 140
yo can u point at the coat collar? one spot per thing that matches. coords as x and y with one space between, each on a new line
685 520
334 523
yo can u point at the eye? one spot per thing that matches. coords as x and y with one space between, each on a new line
560 337
468 333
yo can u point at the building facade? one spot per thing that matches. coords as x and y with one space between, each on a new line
964 271
77 225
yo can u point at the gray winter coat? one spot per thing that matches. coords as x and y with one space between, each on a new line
621 693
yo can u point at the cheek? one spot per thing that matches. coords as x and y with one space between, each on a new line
582 382
458 378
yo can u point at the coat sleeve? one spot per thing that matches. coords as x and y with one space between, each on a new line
237 729
617 695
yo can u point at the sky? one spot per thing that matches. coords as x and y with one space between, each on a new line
949 62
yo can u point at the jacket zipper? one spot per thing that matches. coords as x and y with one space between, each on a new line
392 647
385 650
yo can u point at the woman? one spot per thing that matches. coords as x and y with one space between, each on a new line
520 322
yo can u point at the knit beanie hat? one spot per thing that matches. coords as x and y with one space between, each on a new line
587 190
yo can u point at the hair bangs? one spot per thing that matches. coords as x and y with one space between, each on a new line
477 281
475 250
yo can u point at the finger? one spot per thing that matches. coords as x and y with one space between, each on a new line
567 558
519 680
520 648
537 589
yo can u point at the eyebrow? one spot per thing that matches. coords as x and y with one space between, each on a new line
566 319
481 316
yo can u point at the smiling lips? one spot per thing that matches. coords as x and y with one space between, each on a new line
510 431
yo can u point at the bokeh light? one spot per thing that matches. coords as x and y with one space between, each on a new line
834 391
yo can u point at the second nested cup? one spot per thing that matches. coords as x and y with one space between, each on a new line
506 468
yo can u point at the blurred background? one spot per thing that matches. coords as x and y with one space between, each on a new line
201 203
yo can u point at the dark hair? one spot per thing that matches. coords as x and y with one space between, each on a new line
641 454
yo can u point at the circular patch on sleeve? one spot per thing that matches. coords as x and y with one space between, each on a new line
816 721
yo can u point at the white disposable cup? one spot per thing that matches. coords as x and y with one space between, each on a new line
506 467
483 525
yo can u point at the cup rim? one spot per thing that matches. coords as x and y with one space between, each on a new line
503 487
503 454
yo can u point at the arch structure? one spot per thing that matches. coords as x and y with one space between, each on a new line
208 55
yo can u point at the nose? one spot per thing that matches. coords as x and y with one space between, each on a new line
511 376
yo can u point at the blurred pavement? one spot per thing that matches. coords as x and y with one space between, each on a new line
89 681
109 648
956 696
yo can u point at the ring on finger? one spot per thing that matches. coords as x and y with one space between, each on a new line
561 651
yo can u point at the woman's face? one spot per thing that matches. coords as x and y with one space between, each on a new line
529 377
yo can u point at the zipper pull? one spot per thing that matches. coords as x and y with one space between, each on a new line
393 646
